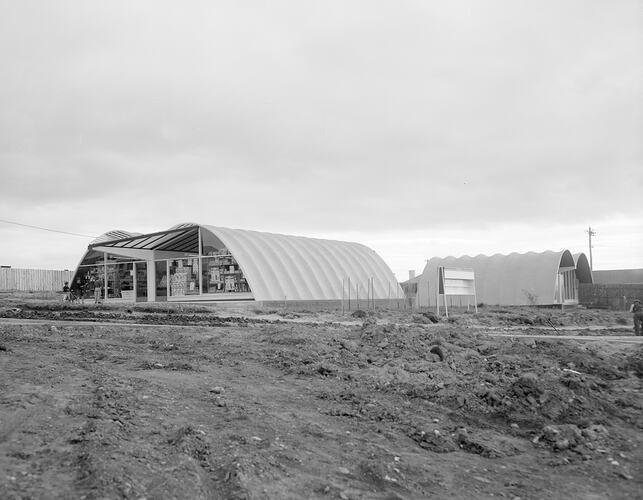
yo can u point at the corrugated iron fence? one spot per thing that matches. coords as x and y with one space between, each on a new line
618 297
33 280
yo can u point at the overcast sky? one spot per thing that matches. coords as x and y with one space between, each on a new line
419 128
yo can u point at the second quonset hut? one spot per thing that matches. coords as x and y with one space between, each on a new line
544 278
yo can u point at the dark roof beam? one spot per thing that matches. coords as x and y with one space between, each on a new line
148 241
161 240
180 242
138 237
191 246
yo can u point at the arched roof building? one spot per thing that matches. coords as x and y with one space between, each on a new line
583 271
515 279
203 262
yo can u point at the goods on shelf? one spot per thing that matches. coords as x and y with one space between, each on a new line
182 282
220 273
223 274
230 284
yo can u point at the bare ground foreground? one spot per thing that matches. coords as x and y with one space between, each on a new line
147 402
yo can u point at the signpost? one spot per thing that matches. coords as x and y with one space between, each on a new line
454 281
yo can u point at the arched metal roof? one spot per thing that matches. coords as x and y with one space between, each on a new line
283 267
583 271
514 279
277 267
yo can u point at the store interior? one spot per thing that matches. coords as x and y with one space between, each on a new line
215 272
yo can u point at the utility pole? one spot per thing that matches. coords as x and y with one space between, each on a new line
590 233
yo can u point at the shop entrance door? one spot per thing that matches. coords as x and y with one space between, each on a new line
161 280
140 268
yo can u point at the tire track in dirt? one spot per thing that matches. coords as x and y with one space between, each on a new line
131 445
150 425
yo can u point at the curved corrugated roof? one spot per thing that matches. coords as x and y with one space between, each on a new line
583 271
283 267
514 279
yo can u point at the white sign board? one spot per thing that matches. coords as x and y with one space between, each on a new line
455 281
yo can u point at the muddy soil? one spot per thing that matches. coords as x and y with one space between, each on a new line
200 402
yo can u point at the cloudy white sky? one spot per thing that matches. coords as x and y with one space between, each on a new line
419 128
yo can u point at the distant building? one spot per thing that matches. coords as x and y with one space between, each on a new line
619 277
531 278
613 289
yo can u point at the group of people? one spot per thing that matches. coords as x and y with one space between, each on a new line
72 295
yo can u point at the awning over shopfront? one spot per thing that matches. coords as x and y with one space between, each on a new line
183 239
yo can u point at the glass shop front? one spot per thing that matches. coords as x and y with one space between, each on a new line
215 274
112 278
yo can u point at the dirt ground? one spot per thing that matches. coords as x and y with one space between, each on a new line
167 401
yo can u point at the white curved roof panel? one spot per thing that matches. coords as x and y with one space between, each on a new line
283 267
583 270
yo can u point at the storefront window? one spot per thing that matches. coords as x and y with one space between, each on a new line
141 280
161 279
222 274
120 280
184 277
93 258
87 279
118 258
211 245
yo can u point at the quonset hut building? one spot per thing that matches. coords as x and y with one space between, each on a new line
545 278
192 262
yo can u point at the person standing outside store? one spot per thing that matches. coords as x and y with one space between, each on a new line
97 291
80 286
66 291
637 316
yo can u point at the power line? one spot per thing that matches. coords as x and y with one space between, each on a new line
46 229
